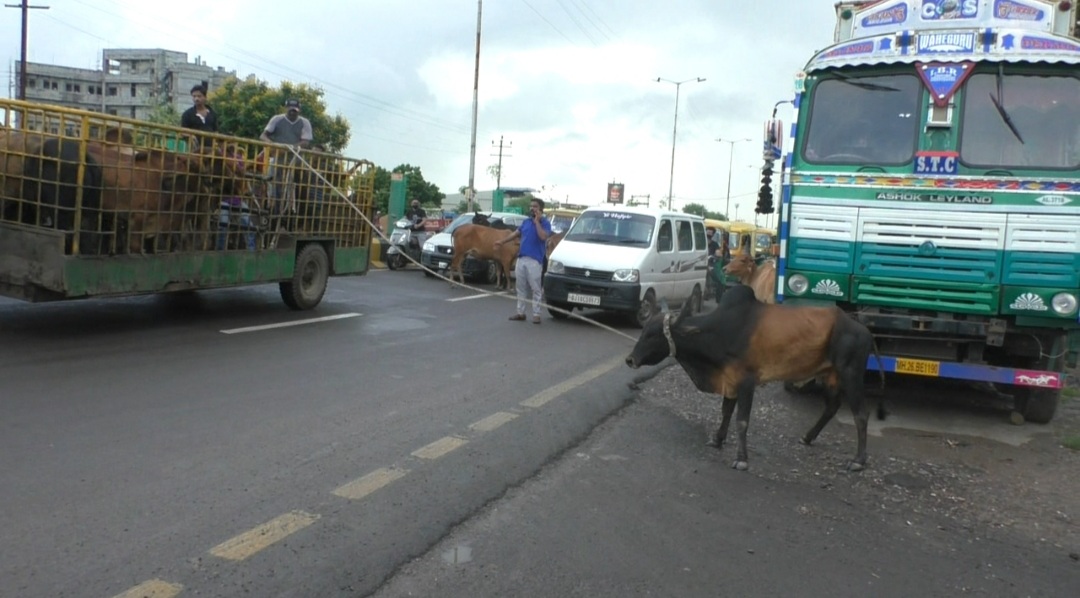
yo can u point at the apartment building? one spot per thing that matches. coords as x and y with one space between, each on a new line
131 83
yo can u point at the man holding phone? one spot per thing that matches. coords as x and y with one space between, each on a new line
530 261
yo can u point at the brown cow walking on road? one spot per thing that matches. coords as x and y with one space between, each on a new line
744 343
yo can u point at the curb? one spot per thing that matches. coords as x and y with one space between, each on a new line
378 254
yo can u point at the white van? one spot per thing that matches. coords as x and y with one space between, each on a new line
628 259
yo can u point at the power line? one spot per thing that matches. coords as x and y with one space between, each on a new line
574 19
542 17
578 5
587 7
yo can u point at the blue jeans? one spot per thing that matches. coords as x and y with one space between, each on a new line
244 221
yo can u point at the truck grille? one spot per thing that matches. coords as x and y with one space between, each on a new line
588 274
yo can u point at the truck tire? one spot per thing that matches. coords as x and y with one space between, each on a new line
1038 405
308 283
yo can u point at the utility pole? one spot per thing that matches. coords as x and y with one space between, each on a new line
471 191
498 169
25 6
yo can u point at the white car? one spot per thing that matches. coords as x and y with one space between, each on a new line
438 250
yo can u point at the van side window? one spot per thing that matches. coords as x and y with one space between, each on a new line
665 240
700 242
686 236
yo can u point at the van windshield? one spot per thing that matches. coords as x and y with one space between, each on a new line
613 228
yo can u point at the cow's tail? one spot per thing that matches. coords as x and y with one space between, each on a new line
882 413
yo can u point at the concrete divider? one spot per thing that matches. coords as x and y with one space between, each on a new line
378 253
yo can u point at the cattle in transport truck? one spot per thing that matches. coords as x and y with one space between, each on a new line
100 206
931 188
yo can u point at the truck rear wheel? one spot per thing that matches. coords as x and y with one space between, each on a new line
1037 405
310 275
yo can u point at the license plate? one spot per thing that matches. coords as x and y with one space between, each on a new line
919 367
583 299
441 265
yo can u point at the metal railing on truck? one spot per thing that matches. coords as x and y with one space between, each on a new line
88 186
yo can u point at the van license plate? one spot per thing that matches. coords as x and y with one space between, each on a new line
441 265
583 299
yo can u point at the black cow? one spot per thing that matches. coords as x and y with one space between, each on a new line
744 343
50 187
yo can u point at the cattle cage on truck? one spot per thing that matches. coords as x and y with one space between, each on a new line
932 189
93 205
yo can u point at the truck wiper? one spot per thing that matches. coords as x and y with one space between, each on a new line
1001 108
863 84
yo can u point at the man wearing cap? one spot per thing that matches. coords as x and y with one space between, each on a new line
289 128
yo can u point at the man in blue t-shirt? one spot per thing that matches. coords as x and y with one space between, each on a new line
530 261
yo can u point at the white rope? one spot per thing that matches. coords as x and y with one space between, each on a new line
383 236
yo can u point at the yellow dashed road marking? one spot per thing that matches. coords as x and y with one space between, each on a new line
361 487
248 543
440 447
492 421
155 588
543 397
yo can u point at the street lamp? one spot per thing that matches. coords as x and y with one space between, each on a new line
736 212
674 128
731 154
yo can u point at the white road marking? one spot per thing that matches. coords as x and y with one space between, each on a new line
543 397
480 296
293 323
155 588
440 447
252 541
492 421
361 487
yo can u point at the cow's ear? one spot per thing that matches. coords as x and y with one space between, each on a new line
684 312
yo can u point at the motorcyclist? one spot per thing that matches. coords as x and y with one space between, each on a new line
416 217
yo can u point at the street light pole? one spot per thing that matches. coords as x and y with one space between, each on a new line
731 155
674 128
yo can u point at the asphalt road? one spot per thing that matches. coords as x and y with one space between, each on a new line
193 445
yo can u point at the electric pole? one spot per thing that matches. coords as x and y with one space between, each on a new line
25 6
498 169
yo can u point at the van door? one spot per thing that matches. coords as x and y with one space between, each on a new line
683 276
663 258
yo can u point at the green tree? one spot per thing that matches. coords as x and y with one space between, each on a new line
244 107
696 208
165 114
428 193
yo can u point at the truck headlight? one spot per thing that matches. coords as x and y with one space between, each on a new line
429 247
555 267
1064 303
798 284
626 275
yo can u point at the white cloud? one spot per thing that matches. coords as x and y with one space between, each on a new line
570 85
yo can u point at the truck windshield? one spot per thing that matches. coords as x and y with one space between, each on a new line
863 120
617 228
1044 110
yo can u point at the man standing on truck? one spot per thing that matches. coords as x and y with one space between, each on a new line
290 129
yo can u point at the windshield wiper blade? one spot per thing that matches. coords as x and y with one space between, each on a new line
1001 107
1005 117
863 84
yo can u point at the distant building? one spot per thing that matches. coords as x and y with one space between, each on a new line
131 83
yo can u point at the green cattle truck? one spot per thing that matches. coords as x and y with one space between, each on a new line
932 189
93 205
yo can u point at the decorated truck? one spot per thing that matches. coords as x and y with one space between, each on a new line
931 188
93 205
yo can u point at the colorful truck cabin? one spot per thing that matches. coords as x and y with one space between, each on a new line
931 187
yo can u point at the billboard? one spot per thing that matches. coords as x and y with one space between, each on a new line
615 193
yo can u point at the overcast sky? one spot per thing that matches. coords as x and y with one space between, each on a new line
570 85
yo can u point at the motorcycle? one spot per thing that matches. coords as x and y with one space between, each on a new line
404 241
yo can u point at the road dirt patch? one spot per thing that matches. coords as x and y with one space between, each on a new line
949 456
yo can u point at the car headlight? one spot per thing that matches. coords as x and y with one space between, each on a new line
1064 303
429 247
798 284
626 276
555 267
